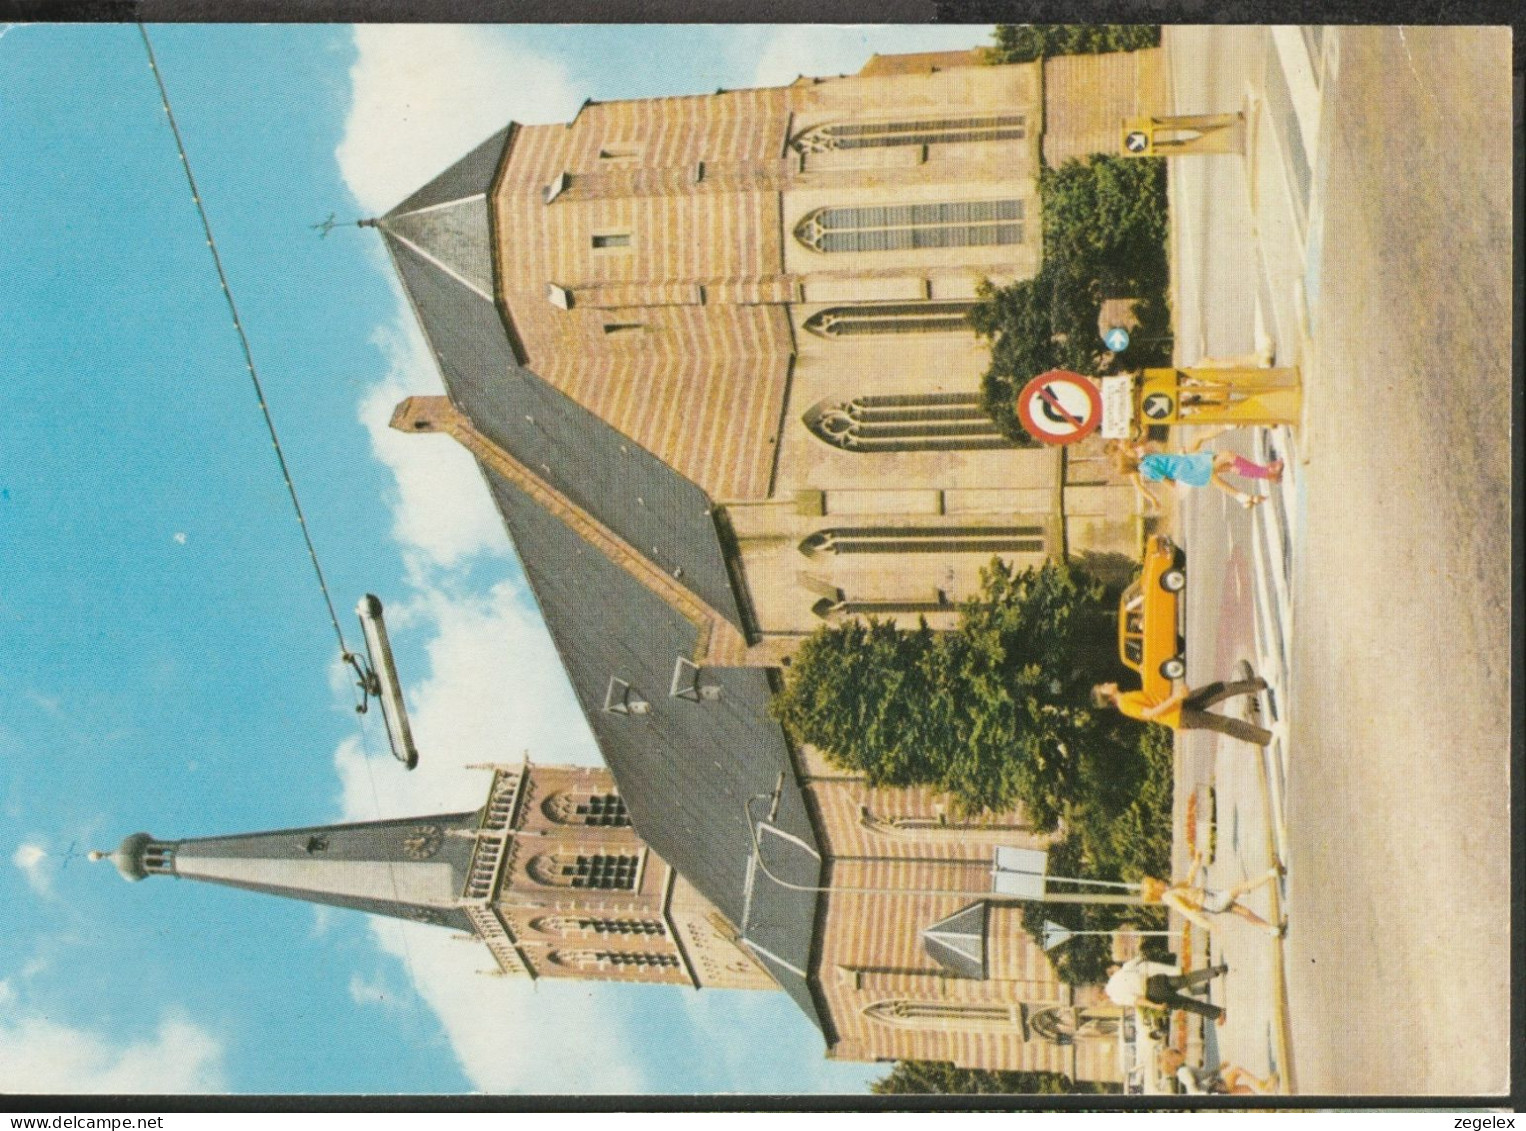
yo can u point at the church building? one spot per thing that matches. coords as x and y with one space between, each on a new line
711 355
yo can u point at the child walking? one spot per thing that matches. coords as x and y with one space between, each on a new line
1147 462
1196 902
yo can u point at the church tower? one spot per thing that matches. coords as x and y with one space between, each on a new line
548 874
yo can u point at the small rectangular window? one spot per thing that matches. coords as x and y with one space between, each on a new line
618 329
619 151
608 240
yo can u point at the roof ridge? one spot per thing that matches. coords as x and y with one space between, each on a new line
719 642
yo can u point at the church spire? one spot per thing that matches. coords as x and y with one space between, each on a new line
550 875
409 868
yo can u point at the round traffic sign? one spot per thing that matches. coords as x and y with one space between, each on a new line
1157 406
1060 407
1137 141
1116 339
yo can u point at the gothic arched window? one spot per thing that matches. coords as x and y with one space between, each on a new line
891 318
577 959
916 131
925 540
622 958
829 610
902 825
160 858
906 1014
608 871
903 227
908 422
607 959
604 810
580 925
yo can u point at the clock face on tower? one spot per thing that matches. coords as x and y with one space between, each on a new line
422 841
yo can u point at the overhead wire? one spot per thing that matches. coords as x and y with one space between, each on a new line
275 440
243 339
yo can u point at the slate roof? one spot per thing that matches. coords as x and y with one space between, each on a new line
662 515
685 768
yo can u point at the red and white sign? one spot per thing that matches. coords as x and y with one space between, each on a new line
1060 407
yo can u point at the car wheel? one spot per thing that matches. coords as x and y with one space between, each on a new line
1174 668
1173 581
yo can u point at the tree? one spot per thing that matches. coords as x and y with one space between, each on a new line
859 690
940 1078
1104 234
997 711
994 712
1119 828
1023 43
1107 214
1033 327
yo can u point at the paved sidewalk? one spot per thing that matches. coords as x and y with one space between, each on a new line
1370 589
1232 227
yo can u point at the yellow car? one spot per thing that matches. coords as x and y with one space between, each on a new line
1148 616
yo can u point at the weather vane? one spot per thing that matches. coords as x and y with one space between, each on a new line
328 224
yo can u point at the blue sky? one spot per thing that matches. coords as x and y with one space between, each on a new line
166 662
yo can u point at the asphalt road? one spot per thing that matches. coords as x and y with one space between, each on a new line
1398 804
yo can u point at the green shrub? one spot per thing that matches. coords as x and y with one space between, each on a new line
993 712
1117 834
1023 43
934 1077
1105 223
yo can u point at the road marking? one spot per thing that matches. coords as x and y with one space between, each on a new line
1279 975
1303 87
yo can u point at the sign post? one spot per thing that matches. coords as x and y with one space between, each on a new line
1056 934
1179 135
1230 395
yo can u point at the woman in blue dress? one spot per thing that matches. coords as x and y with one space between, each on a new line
1147 462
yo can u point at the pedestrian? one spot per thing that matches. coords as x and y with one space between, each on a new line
1195 902
1147 462
1144 984
1187 710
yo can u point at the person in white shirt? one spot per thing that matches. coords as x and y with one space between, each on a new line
1144 984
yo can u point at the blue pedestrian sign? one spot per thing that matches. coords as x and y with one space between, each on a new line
1116 339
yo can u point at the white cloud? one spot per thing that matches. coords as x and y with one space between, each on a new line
820 52
493 688
40 1055
32 859
512 1035
365 991
423 96
442 508
52 704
